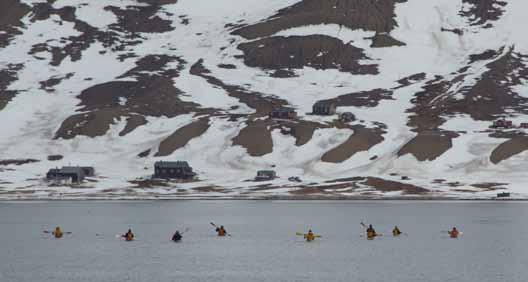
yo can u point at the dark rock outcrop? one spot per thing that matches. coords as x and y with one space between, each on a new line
316 51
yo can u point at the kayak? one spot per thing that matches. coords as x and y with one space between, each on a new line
308 239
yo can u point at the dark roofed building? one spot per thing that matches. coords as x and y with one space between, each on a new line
502 123
265 175
173 170
70 173
347 117
88 170
325 108
283 113
52 173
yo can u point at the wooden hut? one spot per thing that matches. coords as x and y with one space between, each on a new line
265 175
324 108
283 113
173 170
347 117
66 173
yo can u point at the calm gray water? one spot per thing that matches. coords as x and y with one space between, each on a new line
263 246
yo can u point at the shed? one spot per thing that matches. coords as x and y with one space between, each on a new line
173 170
502 123
347 117
88 170
283 113
265 175
72 173
324 108
52 173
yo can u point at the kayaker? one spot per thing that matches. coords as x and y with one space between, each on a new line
396 231
129 236
221 231
177 236
453 233
309 236
371 233
57 233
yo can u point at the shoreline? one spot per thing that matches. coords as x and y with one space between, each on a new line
267 198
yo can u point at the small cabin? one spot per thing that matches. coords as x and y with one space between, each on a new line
283 113
324 108
347 117
524 125
265 175
66 173
503 195
173 170
502 123
88 171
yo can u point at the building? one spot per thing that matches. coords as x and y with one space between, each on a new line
347 117
173 170
503 195
75 174
88 171
265 175
502 123
283 113
324 108
524 125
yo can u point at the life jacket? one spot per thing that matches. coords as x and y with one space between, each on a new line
129 236
371 234
309 237
57 233
453 234
221 232
396 232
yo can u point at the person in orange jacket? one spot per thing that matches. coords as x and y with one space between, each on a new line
221 231
453 233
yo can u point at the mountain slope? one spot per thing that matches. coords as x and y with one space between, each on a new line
121 84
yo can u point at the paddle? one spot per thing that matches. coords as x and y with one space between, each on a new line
51 232
215 226
302 234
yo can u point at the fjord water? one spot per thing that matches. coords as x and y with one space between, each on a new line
263 246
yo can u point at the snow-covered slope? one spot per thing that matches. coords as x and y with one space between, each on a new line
121 84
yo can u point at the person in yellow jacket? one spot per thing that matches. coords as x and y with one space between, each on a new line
309 236
221 231
396 231
129 236
57 232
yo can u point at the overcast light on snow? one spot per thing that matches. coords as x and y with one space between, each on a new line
33 117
